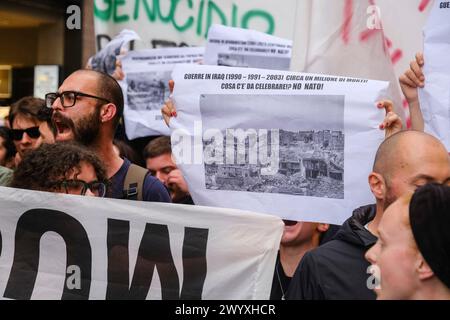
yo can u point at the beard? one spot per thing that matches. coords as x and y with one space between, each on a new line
390 197
86 129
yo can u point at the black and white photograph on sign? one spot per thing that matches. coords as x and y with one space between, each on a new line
147 90
308 147
145 87
306 158
253 61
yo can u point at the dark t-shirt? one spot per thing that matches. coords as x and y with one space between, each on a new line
185 200
152 190
280 282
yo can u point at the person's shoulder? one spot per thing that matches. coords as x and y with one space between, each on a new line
6 175
152 182
308 260
329 252
154 190
324 249
306 283
5 170
334 261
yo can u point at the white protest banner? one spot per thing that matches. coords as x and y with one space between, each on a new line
435 96
236 47
145 86
57 246
295 145
105 59
163 23
401 22
316 24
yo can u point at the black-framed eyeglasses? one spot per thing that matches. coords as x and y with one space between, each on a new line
33 133
81 187
68 98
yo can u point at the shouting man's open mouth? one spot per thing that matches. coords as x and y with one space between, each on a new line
64 127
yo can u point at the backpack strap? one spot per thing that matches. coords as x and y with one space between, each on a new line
134 182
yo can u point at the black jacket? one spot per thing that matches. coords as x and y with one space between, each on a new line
338 269
281 281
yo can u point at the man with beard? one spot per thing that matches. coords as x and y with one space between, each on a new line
338 269
87 108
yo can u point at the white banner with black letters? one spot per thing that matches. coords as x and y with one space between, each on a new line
55 246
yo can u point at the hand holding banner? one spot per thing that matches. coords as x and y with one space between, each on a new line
295 145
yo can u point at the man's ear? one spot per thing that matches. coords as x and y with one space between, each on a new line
107 112
323 227
423 269
377 185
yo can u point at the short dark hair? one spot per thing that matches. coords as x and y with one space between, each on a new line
8 143
157 147
29 107
42 169
126 151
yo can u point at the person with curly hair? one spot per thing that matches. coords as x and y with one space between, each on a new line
63 168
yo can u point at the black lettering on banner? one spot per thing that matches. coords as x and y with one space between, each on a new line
1 243
159 43
154 252
32 225
194 263
118 259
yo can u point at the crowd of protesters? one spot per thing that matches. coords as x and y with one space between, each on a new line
66 144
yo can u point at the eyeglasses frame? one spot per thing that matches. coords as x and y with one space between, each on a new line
86 186
76 94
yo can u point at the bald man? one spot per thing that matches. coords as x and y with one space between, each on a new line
87 108
412 253
338 269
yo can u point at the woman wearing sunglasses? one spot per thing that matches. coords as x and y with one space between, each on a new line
63 168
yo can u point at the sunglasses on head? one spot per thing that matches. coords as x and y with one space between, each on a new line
33 133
